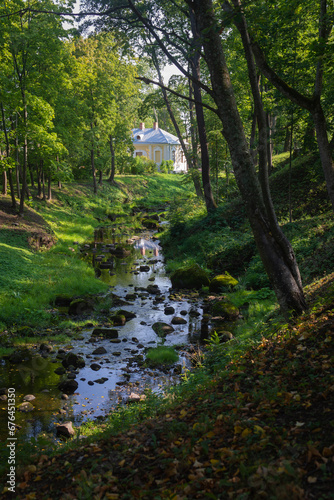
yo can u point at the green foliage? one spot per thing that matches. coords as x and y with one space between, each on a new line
166 166
161 355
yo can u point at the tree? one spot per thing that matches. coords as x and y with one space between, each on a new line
319 62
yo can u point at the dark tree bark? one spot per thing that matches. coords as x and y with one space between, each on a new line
275 251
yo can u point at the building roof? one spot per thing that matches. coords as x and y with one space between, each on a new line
153 136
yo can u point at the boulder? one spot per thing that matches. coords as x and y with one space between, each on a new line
25 407
99 350
68 386
178 321
29 397
127 314
169 310
80 306
95 366
162 329
65 429
224 335
107 333
225 310
222 283
190 277
153 289
72 359
118 319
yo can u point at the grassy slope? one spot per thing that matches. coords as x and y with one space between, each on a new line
30 280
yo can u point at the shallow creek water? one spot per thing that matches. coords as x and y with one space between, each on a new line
120 375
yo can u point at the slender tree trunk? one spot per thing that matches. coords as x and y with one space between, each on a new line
278 257
39 179
286 146
25 157
43 184
4 182
197 185
49 187
31 173
196 73
10 178
193 165
100 177
111 178
252 139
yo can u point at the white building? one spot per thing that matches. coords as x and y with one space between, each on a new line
158 145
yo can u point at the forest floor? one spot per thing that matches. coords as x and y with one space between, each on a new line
261 428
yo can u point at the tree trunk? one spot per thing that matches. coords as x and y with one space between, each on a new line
112 153
31 173
287 141
25 158
100 177
277 256
43 184
39 179
49 188
252 139
195 69
93 170
4 182
10 178
193 164
189 159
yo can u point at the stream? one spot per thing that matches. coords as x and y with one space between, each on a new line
133 267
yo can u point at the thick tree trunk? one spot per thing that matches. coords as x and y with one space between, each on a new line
278 257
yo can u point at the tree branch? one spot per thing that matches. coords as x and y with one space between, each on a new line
148 82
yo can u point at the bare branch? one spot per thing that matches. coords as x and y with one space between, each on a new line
168 89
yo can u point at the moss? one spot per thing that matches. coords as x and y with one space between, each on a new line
189 277
222 282
225 309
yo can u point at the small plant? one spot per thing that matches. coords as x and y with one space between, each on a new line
162 355
214 340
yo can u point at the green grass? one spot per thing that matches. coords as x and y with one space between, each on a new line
161 355
30 280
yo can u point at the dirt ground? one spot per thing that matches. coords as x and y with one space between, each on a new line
38 232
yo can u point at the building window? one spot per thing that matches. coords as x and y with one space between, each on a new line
173 155
139 153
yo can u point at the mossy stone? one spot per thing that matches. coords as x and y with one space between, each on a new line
222 282
190 277
225 309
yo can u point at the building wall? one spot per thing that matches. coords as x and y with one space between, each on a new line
159 152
